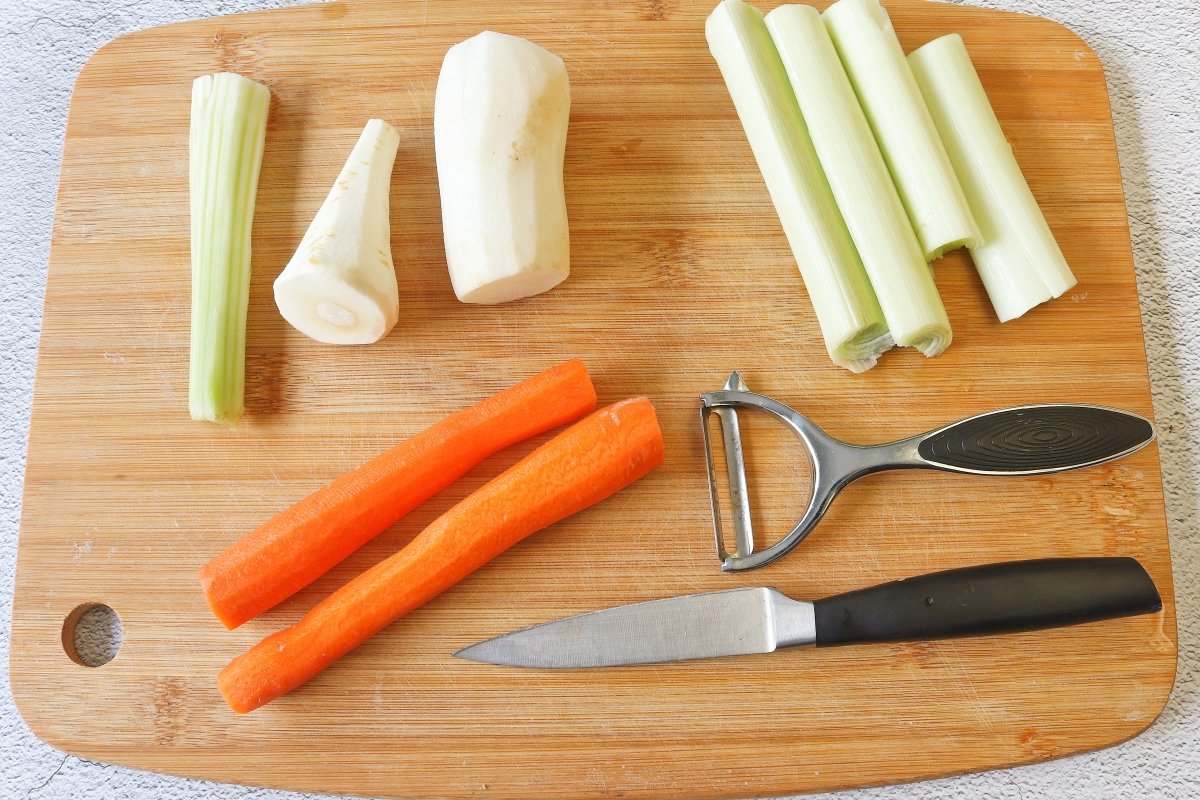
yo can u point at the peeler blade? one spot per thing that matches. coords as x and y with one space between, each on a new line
735 465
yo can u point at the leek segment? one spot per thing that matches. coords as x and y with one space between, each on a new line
849 314
1018 258
860 181
225 146
904 130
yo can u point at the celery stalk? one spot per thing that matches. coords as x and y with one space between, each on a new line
860 181
869 50
1018 259
225 143
849 315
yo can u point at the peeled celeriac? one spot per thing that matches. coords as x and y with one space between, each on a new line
1018 258
851 320
500 132
883 82
340 286
860 181
225 147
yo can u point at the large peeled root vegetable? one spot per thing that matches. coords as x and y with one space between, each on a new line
340 286
500 131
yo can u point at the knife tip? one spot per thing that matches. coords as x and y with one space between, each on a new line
475 652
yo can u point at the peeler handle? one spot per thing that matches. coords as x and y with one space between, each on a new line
1033 440
994 598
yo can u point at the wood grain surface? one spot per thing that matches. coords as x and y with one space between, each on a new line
680 273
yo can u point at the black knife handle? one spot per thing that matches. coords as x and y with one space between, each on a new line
1032 440
994 598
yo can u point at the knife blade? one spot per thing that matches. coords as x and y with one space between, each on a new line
732 622
974 601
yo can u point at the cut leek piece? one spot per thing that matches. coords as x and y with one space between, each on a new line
860 182
340 286
851 320
871 54
225 147
1018 259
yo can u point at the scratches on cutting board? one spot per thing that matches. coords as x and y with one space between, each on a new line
81 549
949 655
238 53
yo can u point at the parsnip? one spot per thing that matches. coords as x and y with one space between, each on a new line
500 131
340 286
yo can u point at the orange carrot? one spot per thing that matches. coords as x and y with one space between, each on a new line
589 461
294 548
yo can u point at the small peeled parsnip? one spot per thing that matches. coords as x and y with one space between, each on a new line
500 132
340 286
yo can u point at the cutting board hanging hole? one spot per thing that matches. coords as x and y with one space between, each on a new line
92 634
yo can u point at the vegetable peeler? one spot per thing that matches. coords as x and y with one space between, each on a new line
1024 440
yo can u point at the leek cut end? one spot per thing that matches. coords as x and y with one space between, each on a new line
931 340
968 241
863 351
203 409
1013 304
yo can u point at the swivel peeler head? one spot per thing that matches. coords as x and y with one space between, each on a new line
821 449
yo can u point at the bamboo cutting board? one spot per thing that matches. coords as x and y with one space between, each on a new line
680 273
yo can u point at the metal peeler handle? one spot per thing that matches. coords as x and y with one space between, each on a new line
1034 440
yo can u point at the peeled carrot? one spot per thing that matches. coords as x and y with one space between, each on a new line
589 461
294 548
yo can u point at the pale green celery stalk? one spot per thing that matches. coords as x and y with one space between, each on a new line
225 144
871 54
860 182
849 315
1018 259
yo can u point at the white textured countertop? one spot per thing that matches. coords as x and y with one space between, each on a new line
1149 51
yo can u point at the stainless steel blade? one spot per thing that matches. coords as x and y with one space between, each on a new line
733 622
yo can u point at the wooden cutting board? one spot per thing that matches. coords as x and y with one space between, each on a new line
680 273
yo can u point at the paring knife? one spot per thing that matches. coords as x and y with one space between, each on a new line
975 601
